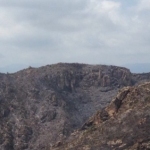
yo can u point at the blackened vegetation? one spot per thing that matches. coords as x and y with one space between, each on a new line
43 106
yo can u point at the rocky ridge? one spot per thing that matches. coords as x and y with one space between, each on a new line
40 106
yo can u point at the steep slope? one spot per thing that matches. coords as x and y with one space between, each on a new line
39 106
123 125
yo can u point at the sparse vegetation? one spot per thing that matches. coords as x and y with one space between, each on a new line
41 106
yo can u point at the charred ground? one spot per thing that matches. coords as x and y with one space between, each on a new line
40 106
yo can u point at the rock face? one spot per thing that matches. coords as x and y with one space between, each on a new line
123 125
40 106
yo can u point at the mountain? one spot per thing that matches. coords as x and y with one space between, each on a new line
123 125
41 106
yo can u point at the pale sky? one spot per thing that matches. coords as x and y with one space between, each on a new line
40 32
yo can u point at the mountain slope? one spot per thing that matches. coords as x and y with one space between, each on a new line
123 125
39 106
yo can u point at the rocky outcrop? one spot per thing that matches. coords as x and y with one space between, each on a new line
39 106
109 111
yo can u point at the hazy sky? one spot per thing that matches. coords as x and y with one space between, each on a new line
41 32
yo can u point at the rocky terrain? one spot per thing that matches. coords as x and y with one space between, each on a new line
123 125
39 107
